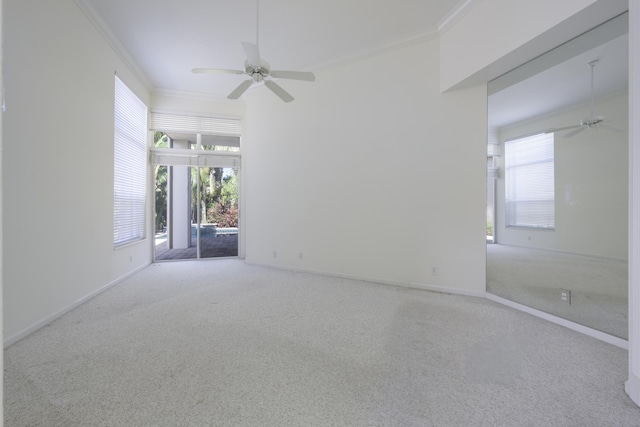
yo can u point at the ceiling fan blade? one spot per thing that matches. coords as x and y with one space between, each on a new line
275 88
552 130
253 54
240 89
215 71
612 128
294 75
574 132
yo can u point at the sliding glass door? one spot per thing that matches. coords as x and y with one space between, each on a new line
196 212
196 205
196 160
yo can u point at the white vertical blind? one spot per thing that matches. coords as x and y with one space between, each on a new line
529 181
130 166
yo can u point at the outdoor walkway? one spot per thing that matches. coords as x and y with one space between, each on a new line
223 245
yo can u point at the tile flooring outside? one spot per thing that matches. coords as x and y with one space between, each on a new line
223 245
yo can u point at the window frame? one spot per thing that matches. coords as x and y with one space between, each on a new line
530 182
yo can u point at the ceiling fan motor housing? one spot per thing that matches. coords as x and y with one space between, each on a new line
257 74
592 121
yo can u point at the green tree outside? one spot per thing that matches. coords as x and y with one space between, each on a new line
218 193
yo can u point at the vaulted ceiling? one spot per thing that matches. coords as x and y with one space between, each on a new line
167 38
164 39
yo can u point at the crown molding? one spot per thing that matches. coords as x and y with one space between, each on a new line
459 11
197 96
393 44
113 41
455 14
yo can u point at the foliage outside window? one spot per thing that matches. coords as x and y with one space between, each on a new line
218 196
218 190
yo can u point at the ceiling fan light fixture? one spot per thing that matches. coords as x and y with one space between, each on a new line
592 121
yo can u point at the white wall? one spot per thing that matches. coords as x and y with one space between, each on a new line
189 103
370 173
632 386
1 222
591 188
58 163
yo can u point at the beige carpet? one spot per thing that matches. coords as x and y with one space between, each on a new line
221 343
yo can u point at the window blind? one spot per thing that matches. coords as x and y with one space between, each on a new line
214 130
529 181
195 124
130 166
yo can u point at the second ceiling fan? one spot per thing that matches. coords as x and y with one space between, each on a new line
259 70
591 122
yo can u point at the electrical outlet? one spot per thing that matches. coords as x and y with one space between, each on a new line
434 271
565 296
275 254
300 255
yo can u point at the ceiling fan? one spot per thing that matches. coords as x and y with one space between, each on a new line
591 122
259 70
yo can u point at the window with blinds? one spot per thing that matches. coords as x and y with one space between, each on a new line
172 123
529 181
130 166
214 141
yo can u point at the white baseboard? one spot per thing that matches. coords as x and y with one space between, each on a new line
610 339
413 285
445 289
44 322
632 388
599 335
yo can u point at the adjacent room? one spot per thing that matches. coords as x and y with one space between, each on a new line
269 212
558 171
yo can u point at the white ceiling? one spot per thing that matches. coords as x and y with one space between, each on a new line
164 39
562 78
167 38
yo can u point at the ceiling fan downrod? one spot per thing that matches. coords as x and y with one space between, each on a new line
592 64
258 23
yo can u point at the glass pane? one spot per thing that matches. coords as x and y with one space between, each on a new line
491 185
174 207
196 212
219 212
218 143
160 214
